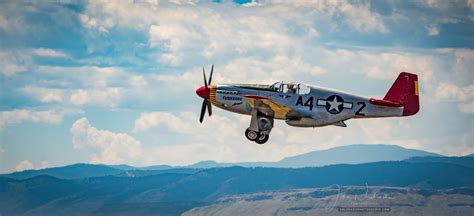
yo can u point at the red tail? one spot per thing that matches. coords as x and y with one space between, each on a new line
405 91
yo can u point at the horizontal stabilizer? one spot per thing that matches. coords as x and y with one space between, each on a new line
385 102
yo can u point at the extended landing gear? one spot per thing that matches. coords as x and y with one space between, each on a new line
260 127
258 137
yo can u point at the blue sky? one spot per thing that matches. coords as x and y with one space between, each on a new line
113 82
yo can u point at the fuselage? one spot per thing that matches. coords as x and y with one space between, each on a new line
319 106
303 105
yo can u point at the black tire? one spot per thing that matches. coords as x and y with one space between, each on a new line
251 135
262 139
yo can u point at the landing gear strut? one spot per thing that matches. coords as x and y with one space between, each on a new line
260 127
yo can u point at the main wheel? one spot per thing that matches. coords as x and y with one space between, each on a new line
262 138
251 135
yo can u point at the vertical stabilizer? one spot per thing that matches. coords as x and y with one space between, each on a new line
405 91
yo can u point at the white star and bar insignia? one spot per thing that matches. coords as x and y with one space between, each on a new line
334 104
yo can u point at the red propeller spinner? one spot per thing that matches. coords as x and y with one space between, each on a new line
203 92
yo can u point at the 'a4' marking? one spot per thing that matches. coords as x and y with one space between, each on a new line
309 103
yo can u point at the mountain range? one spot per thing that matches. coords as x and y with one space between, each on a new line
173 193
351 154
94 189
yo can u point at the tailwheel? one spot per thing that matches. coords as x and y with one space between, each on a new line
251 135
262 138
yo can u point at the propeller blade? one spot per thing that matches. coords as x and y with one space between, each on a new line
209 108
204 74
203 110
210 77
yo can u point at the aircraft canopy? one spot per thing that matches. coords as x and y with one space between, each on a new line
291 88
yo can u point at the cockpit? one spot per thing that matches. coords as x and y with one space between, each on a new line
291 88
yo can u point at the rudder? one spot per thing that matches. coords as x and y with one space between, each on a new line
405 91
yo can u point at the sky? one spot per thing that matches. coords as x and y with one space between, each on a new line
113 82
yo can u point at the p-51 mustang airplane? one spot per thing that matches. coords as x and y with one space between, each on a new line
302 105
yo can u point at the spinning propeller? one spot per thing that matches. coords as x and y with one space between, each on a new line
204 92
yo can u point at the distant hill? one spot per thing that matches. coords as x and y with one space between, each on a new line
351 154
466 161
128 167
122 167
68 172
178 192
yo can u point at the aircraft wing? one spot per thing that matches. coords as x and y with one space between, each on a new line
273 108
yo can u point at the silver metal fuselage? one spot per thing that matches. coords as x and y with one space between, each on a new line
318 107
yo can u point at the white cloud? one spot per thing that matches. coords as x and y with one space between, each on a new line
172 38
104 15
13 62
45 95
24 165
81 86
463 95
174 35
467 107
3 22
464 145
356 15
108 147
12 23
184 34
221 137
108 97
188 153
92 75
384 65
28 165
45 52
43 165
432 29
102 97
463 66
360 17
138 81
269 70
246 70
11 69
183 37
149 120
448 91
187 123
252 3
388 131
19 116
470 3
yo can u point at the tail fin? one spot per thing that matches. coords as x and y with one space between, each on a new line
405 91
